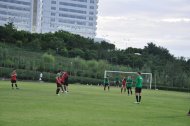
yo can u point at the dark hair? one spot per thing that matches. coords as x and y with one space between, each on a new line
139 73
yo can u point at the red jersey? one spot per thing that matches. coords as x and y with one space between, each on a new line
124 82
62 78
65 75
13 76
58 80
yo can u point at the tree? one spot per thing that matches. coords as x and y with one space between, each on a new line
9 30
107 46
35 44
64 52
48 58
76 52
90 54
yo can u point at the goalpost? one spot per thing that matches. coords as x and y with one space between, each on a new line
149 80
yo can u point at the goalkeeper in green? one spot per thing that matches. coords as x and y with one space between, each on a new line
138 87
129 84
106 84
117 81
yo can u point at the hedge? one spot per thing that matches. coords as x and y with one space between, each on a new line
50 77
181 89
47 77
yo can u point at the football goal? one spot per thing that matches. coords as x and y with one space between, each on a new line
119 75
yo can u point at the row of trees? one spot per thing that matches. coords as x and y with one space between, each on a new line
167 70
61 42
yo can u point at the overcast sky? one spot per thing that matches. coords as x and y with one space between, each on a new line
134 23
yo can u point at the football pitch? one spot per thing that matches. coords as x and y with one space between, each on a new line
36 104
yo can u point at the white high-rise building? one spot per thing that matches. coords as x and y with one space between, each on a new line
75 16
17 11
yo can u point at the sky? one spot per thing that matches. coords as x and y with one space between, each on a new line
134 23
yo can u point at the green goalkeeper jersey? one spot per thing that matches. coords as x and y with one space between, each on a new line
139 81
106 81
117 79
129 82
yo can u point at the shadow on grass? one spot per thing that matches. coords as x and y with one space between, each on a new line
172 116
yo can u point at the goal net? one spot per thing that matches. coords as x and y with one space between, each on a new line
119 75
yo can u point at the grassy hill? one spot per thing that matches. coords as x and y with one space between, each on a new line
36 104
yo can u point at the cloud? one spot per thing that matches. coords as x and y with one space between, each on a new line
152 8
176 20
134 23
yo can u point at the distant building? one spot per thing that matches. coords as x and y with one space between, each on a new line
75 16
17 11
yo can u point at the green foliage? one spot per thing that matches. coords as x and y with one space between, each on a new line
107 46
64 52
19 43
5 72
3 52
9 31
34 44
8 63
76 52
64 43
90 54
93 65
48 58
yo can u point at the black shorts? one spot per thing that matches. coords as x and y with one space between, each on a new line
58 85
117 83
66 82
106 84
138 90
128 88
13 81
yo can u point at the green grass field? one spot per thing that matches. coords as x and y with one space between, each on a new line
36 104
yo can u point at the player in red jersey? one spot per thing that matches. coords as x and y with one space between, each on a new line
58 82
62 80
13 79
123 87
66 84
